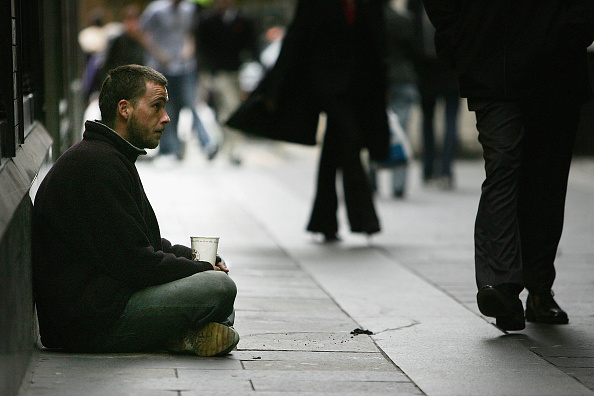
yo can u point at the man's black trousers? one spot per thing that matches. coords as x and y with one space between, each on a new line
527 149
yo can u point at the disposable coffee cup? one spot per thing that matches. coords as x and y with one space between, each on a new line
205 249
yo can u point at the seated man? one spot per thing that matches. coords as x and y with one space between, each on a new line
104 279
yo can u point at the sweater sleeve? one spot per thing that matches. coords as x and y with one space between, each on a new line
178 250
120 242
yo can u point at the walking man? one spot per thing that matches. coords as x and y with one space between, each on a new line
522 66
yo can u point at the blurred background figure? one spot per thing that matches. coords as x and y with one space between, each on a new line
331 61
226 40
402 88
127 47
274 39
436 80
93 41
168 27
251 73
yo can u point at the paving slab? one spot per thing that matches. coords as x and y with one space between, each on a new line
310 341
352 364
275 322
343 386
143 386
303 371
302 305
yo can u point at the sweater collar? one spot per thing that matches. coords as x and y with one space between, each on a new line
95 130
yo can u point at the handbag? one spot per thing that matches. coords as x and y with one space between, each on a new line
400 151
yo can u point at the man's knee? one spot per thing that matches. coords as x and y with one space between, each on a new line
223 285
217 284
220 295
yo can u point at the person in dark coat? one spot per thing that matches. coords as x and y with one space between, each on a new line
522 65
226 38
331 62
126 48
436 80
104 279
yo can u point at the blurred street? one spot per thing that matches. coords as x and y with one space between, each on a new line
299 301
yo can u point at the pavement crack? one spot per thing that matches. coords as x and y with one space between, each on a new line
414 323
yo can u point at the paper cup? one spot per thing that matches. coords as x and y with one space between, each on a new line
205 249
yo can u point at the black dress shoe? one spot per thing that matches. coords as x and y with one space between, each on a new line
503 305
542 308
331 237
398 193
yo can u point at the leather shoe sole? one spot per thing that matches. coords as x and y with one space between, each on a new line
507 310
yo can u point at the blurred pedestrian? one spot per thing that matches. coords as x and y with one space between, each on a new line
522 66
93 42
332 62
96 40
226 40
169 28
274 38
251 73
402 89
104 279
127 48
436 80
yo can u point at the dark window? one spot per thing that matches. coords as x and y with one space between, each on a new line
11 104
19 80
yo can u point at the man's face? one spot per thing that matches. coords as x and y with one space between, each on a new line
147 121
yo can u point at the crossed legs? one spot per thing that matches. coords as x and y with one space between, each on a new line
157 315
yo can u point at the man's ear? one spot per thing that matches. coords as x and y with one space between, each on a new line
124 108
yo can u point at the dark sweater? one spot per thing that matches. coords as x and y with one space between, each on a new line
96 240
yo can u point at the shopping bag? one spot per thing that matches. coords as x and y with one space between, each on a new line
400 151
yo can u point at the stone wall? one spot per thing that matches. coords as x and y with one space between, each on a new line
18 326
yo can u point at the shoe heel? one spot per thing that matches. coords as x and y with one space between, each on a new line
215 339
491 303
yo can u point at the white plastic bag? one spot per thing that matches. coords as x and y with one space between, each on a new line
400 151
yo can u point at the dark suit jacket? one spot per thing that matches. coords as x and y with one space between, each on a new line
322 58
435 76
516 49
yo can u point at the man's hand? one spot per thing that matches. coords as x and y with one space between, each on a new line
220 265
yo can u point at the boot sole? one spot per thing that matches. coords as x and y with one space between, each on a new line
214 339
492 302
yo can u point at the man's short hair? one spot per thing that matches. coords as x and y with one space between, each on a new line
125 82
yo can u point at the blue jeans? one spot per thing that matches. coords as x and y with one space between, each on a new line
400 100
182 94
450 142
157 314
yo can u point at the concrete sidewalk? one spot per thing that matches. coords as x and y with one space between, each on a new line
299 301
